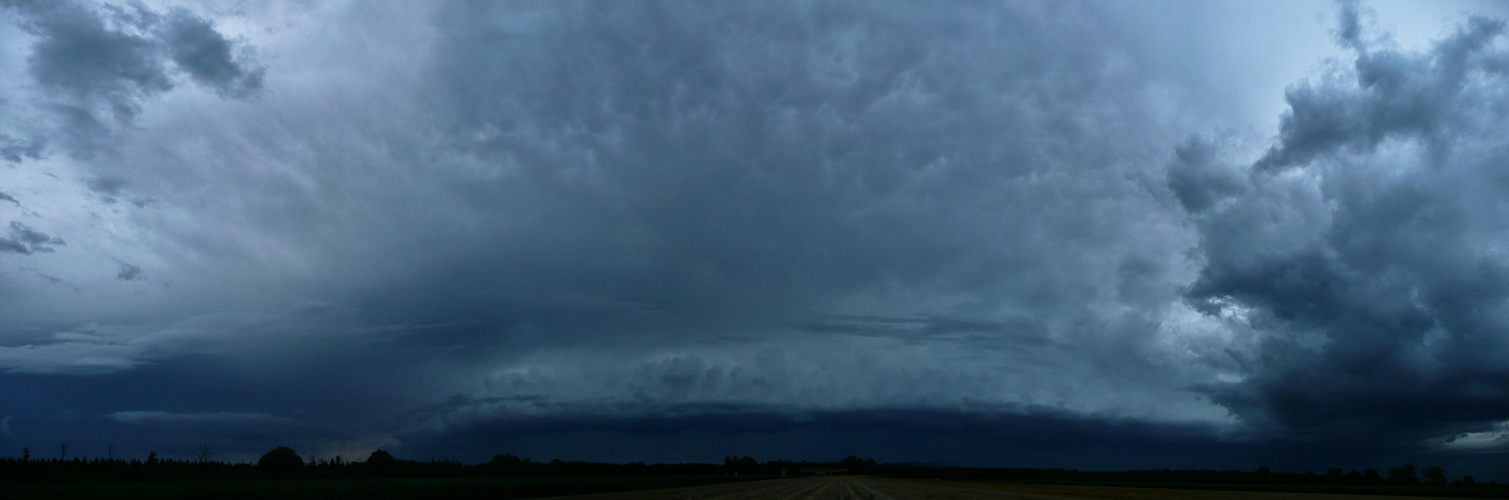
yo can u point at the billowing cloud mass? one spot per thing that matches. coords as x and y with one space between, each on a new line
1036 234
1367 244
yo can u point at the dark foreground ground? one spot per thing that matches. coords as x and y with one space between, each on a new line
864 487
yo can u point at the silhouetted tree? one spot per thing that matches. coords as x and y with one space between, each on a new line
856 464
1403 475
1370 476
1263 474
747 465
1467 480
203 453
381 464
64 446
1434 476
280 462
1334 475
506 465
25 453
110 451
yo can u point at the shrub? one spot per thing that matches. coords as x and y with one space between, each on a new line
381 464
281 462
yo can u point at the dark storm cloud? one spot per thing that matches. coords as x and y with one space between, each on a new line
883 325
106 185
129 272
1020 334
985 435
100 64
1199 178
218 418
1026 425
1367 245
25 240
650 201
14 149
9 198
1019 435
729 227
743 172
1394 94
143 410
1349 25
206 55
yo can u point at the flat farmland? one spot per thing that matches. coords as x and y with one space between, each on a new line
862 487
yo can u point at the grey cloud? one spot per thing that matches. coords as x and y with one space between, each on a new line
203 418
205 54
96 56
25 240
14 149
1410 96
1369 260
733 181
106 185
1349 25
865 182
70 358
96 349
101 64
234 435
129 272
51 279
9 198
1021 436
10 245
862 324
1199 178
1007 334
774 219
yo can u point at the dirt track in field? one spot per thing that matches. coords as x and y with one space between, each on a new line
867 488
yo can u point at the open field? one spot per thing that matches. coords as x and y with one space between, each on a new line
863 487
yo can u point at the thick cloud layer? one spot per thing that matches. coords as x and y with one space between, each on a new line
470 228
1367 245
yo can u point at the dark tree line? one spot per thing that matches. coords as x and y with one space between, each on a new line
1404 475
285 463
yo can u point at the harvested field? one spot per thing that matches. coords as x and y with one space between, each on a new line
862 487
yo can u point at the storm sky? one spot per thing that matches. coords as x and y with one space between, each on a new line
1042 234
